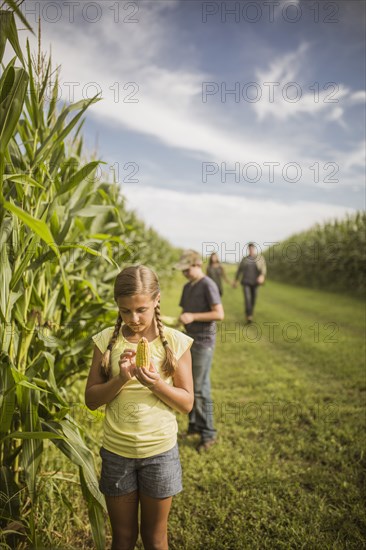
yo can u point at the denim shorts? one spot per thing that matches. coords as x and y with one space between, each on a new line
158 476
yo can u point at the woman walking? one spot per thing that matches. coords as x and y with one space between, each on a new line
216 272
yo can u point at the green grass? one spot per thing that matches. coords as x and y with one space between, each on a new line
289 468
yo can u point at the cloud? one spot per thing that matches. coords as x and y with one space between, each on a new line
169 99
354 158
138 61
358 97
209 221
287 94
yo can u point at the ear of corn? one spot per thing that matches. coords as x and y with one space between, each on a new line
143 355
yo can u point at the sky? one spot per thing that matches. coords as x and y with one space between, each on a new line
224 122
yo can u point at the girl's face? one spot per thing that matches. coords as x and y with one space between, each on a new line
137 311
214 259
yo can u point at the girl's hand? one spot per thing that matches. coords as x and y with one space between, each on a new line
127 365
148 377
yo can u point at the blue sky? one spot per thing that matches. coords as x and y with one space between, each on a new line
209 166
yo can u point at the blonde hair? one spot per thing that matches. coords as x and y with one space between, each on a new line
138 279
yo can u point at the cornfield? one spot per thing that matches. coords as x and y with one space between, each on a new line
329 256
64 236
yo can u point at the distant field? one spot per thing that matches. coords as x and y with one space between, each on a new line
289 396
328 256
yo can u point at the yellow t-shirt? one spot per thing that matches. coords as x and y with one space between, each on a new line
137 423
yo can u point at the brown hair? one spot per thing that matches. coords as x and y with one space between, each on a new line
138 279
210 260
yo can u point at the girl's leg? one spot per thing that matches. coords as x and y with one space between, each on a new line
154 522
123 513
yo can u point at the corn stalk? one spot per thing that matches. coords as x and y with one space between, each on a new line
64 235
329 256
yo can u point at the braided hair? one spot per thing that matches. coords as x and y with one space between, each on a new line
106 359
170 363
138 279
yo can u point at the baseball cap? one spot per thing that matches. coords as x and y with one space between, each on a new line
187 259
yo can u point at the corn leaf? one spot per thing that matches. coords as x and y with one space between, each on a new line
95 512
38 226
31 435
34 108
23 179
9 32
58 132
92 210
82 174
14 6
9 495
32 448
74 447
7 395
13 84
28 251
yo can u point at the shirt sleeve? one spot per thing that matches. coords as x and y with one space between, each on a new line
179 342
102 338
262 266
181 303
213 294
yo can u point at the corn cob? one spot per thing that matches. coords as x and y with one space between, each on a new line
143 354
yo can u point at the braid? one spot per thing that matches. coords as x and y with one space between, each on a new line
106 359
170 363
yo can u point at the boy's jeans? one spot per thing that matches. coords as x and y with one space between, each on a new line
201 416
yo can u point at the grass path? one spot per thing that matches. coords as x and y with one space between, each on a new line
289 396
288 471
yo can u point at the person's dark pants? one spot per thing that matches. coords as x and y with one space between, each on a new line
201 416
250 295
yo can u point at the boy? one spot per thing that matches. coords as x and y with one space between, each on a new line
202 306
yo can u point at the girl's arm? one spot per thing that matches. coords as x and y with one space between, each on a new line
225 276
98 392
180 396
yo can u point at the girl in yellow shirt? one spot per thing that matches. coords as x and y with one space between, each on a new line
140 456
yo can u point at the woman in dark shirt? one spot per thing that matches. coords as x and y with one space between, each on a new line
216 272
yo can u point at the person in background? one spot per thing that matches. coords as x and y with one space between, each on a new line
201 304
251 273
216 272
